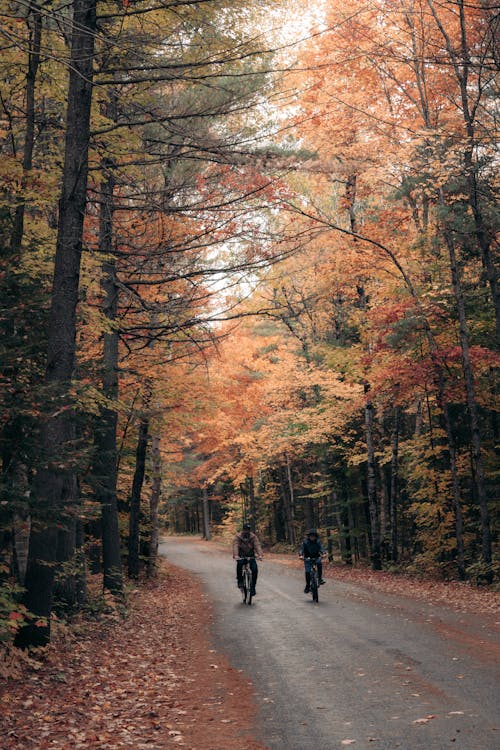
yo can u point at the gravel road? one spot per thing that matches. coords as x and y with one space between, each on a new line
364 669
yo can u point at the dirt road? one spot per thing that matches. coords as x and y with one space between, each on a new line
370 670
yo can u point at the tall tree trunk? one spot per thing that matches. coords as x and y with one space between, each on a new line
105 439
457 505
385 515
460 58
14 467
483 240
289 502
335 521
471 405
55 486
34 21
372 486
135 499
154 503
419 419
20 540
279 514
65 581
251 499
206 521
394 486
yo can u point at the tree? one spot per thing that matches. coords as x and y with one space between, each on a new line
55 489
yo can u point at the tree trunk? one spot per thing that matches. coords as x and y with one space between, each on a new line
472 407
206 522
55 486
251 498
385 515
35 16
457 505
279 520
419 419
21 537
105 439
135 499
154 503
335 521
393 501
372 487
289 502
65 582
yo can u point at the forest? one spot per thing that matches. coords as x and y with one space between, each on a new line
249 272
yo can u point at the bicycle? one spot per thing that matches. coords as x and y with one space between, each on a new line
314 581
247 580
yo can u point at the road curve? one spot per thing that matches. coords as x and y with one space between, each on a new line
361 669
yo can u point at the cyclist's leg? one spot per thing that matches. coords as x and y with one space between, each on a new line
239 568
307 569
255 573
319 563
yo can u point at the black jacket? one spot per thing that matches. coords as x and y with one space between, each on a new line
311 549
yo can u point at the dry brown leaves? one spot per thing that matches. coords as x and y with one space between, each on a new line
148 682
462 597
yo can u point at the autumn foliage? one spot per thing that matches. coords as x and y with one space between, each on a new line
282 303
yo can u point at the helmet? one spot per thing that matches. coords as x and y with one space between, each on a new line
312 532
246 527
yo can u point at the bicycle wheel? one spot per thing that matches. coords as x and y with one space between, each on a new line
248 585
314 585
244 588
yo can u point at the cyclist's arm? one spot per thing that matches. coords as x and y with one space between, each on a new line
257 547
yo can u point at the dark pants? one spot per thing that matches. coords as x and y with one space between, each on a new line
253 568
307 566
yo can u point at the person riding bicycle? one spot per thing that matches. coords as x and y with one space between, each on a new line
313 549
246 544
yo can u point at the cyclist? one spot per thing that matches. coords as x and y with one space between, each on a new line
312 548
246 544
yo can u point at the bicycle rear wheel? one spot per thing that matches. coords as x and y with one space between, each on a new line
244 587
248 585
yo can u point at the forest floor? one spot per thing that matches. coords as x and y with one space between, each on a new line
153 681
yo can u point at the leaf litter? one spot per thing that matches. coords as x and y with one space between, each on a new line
148 681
